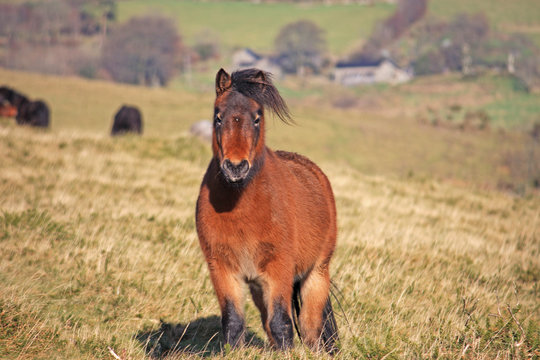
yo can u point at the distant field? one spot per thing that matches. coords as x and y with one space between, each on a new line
386 130
79 105
245 24
515 16
503 14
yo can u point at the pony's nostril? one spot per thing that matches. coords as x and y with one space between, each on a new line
244 166
227 164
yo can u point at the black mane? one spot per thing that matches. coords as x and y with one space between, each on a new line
257 85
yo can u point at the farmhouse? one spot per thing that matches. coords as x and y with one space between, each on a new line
368 72
247 58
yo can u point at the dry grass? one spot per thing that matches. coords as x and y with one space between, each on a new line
99 251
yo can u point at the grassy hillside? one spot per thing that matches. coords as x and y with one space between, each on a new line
517 16
504 15
245 24
79 105
384 130
99 251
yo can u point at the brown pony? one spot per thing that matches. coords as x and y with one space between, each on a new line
265 218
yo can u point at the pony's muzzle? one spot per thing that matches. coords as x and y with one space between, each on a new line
235 172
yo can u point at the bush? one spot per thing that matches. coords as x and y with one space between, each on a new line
430 63
145 50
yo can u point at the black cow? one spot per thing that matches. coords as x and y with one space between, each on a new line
33 113
127 119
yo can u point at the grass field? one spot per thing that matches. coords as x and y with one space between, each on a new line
97 235
99 251
99 248
386 131
503 15
244 24
517 16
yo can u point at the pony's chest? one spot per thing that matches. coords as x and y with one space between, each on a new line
245 246
240 257
252 217
247 234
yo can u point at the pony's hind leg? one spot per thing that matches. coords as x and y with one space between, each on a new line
316 320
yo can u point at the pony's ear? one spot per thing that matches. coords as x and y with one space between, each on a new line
223 82
261 76
261 79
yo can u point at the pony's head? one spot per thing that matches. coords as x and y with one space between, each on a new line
238 136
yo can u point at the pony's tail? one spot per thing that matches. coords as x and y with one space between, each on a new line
329 335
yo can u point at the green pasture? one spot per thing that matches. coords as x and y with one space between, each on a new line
503 15
240 24
245 24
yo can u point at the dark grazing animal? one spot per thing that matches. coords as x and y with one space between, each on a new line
33 113
265 218
13 97
127 119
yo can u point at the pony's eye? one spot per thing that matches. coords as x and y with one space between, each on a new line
257 120
217 120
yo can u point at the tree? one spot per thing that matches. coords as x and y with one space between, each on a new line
457 45
300 45
145 50
40 23
95 15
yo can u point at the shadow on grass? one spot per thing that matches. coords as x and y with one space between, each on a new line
199 337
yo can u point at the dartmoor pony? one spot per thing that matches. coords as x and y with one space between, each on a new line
265 218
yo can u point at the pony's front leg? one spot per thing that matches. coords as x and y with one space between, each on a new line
228 289
279 326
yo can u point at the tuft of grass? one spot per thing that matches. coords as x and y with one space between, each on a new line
23 334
